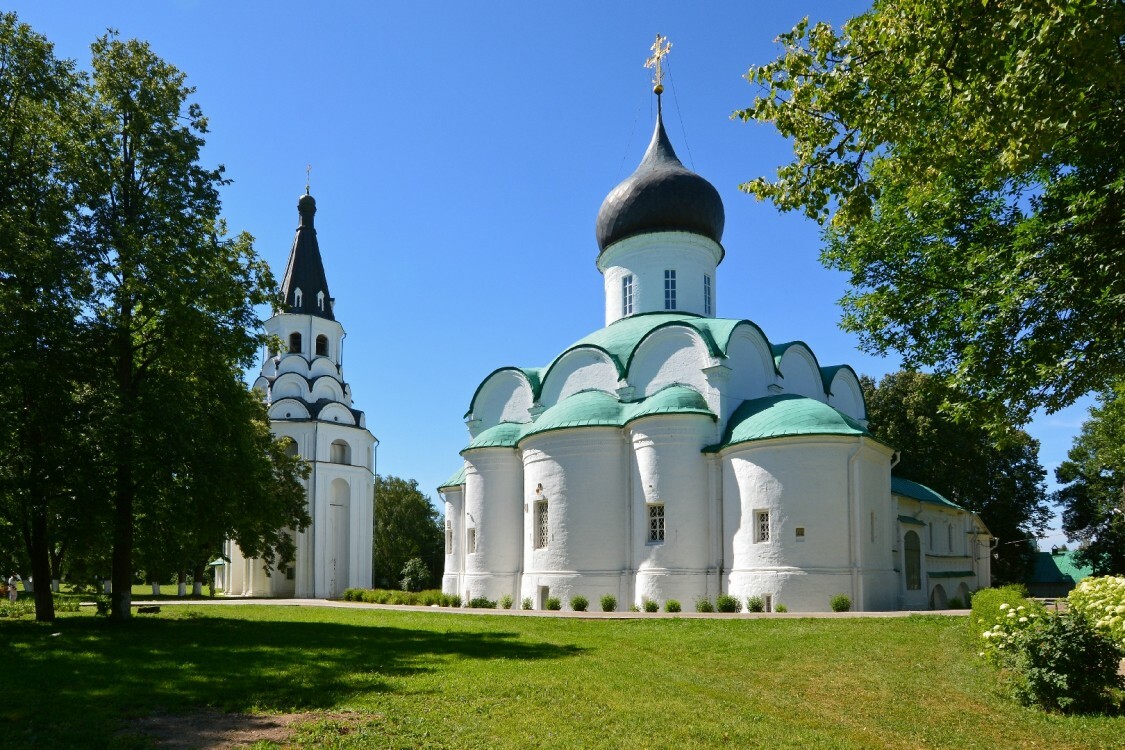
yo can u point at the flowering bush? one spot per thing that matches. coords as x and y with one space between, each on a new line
1102 601
1003 641
1065 664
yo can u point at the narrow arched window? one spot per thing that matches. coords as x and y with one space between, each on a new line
913 548
341 453
294 343
322 346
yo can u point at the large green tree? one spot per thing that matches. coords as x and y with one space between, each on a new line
964 157
175 294
406 526
43 285
1001 481
1093 493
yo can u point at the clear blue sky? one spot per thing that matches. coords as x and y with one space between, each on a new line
460 152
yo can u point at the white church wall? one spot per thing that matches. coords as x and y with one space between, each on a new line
323 367
801 373
337 413
328 387
288 408
874 522
504 396
578 370
454 548
803 484
584 478
846 395
668 356
646 257
752 368
493 521
290 385
670 473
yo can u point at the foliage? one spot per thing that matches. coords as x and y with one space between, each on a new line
781 608
1101 601
1092 478
1003 641
727 603
755 604
383 673
415 576
481 602
990 605
526 604
428 598
609 603
1065 664
506 601
841 603
703 604
962 158
672 606
579 603
406 526
955 603
649 605
18 608
553 603
1001 480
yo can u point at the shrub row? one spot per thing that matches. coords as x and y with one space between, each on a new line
1101 600
429 598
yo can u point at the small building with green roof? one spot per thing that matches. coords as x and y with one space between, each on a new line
674 454
1055 573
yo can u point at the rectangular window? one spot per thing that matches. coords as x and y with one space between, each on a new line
669 289
767 602
872 526
949 533
761 526
449 537
706 295
471 541
931 536
627 295
290 573
541 528
656 522
800 533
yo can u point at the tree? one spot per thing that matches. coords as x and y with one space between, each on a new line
965 160
1003 481
43 286
1093 491
406 526
174 294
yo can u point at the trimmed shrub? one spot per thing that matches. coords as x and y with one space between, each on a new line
506 601
781 608
1101 600
755 604
955 603
841 603
431 598
990 605
22 608
727 603
454 600
671 606
579 603
609 603
703 604
1066 664
526 603
634 608
481 602
553 603
648 605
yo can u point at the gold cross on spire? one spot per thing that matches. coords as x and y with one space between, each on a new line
660 49
308 174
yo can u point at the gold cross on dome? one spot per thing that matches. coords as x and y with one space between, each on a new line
308 174
660 49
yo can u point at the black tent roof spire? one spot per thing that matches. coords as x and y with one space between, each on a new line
305 287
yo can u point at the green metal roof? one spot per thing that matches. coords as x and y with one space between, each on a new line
594 409
456 480
916 491
786 415
503 435
911 520
1058 568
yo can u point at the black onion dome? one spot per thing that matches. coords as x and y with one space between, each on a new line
662 195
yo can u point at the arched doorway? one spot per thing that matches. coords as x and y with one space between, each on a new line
938 599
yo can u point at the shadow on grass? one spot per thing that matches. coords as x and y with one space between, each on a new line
71 683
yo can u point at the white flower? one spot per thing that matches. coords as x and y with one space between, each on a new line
1023 619
1011 613
1003 606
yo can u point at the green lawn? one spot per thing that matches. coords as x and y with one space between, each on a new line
420 679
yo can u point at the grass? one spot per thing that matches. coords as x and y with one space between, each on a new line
418 679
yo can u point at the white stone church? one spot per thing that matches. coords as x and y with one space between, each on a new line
675 455
311 404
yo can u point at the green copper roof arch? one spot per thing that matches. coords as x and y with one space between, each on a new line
530 375
582 409
920 492
672 399
503 435
786 415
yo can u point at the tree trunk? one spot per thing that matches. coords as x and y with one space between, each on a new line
122 575
41 568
